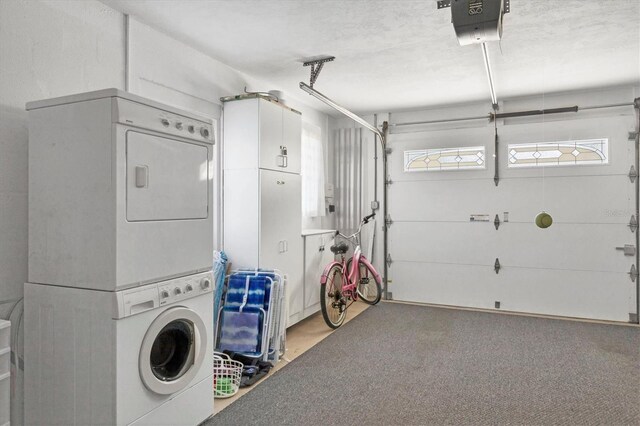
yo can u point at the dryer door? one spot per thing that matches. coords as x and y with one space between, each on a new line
172 351
167 179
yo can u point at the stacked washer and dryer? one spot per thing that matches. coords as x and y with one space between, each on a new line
119 306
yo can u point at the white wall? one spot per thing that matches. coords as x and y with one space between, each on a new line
47 49
54 48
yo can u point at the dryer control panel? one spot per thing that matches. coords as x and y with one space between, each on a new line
151 296
143 116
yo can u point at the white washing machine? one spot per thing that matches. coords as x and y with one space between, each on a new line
120 191
141 356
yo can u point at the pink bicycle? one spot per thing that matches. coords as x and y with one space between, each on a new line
343 282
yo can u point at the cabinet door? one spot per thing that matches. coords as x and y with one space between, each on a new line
291 134
271 151
280 240
274 189
317 256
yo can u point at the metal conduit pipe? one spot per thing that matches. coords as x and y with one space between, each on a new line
491 116
636 105
383 142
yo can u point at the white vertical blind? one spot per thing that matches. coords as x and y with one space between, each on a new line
348 173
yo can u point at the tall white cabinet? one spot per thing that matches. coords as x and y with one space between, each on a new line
262 192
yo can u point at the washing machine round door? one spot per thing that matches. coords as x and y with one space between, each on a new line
172 350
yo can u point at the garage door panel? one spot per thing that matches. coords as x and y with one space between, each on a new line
565 246
587 199
595 295
460 285
590 199
442 242
592 295
614 129
437 201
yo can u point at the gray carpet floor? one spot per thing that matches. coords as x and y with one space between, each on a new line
415 365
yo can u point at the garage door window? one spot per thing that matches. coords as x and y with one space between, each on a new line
565 153
439 159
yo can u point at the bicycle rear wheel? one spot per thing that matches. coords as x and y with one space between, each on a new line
369 288
332 302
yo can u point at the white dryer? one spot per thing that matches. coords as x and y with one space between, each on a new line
120 191
141 356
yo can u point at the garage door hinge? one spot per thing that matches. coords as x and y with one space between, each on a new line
496 222
633 273
633 174
633 136
388 220
633 223
388 182
497 266
389 260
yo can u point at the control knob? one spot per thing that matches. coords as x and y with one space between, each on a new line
188 288
205 283
204 132
177 291
191 129
164 294
165 122
179 125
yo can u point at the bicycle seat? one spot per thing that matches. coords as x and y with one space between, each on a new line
341 248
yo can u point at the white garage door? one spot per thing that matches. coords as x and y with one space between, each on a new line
571 269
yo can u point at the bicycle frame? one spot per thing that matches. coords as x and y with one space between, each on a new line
350 279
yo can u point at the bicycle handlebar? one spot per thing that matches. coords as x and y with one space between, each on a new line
368 218
365 220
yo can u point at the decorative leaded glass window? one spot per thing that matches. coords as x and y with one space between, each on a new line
437 159
565 153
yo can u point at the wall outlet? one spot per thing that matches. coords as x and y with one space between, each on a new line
497 304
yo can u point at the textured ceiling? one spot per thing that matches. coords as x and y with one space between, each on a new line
403 54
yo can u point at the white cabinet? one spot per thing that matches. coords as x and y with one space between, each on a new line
265 135
316 256
262 198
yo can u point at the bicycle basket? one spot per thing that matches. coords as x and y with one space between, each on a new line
226 375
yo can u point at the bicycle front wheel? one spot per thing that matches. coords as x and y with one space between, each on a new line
332 300
369 288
